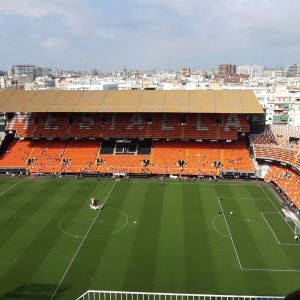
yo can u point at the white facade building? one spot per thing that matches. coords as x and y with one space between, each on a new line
2 82
282 105
251 70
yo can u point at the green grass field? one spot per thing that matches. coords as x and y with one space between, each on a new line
149 237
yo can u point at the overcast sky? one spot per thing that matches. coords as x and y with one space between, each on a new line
148 34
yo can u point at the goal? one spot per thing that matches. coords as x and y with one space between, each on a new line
290 216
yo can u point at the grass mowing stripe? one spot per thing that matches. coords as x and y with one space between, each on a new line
262 188
24 212
9 192
171 249
229 232
11 187
285 239
224 259
275 236
275 206
33 256
54 264
36 222
241 284
141 272
250 234
80 245
280 229
115 251
254 235
198 259
108 258
18 271
91 254
249 231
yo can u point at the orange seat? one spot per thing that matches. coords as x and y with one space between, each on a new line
128 125
287 180
16 155
81 156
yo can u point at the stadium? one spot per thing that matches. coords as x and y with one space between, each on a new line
192 196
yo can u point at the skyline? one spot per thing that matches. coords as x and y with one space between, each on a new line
150 34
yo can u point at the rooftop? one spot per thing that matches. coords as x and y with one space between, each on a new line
142 101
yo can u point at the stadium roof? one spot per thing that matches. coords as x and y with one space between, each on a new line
154 101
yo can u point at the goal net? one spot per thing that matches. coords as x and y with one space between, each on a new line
290 216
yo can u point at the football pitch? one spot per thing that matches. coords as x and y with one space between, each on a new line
177 237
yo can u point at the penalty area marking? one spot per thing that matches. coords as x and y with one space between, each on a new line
93 236
269 198
238 258
80 245
274 234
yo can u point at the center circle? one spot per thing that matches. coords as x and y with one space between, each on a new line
108 222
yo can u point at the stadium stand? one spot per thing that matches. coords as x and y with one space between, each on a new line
287 180
200 158
279 143
45 156
278 147
123 164
277 153
80 156
174 134
187 133
277 135
179 126
21 123
17 154
49 125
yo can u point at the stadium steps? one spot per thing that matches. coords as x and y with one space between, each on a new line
287 180
28 156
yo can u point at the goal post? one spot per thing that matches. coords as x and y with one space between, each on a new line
292 217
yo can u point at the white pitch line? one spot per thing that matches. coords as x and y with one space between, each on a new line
271 270
289 244
71 262
10 187
284 244
270 228
236 253
276 208
238 259
217 230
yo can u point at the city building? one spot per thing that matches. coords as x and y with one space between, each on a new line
185 71
293 70
226 69
250 70
27 73
281 104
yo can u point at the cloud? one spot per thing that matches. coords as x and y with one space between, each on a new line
105 34
146 33
54 43
74 13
